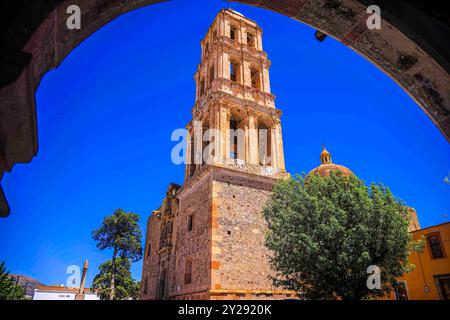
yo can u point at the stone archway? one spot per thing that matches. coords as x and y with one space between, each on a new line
416 58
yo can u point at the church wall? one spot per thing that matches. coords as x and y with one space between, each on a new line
194 245
150 270
240 261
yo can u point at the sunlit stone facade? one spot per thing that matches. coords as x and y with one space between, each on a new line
206 241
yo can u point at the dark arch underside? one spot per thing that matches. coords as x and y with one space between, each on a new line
412 47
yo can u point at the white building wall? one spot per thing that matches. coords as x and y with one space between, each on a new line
61 295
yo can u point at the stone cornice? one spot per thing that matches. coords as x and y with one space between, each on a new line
225 44
214 171
243 21
217 96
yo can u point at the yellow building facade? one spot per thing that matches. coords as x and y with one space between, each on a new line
431 278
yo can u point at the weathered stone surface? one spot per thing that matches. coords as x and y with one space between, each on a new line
196 244
243 257
226 244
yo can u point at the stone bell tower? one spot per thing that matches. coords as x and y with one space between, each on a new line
214 248
233 97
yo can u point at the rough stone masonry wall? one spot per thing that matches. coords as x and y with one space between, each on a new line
150 269
195 244
240 260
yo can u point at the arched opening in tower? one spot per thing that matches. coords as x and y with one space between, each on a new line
264 143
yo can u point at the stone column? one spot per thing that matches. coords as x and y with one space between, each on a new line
274 148
240 34
244 34
198 143
246 139
242 146
265 79
218 135
252 140
188 155
225 66
258 39
214 125
220 26
279 141
224 132
197 87
246 78
226 27
219 67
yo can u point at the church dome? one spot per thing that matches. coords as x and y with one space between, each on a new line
326 166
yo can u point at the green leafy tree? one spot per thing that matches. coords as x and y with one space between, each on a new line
135 290
121 233
124 287
324 232
9 289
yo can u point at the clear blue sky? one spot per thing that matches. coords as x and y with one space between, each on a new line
105 118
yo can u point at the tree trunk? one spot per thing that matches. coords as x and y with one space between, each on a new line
113 275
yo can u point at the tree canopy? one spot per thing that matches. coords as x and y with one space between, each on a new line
125 287
121 233
324 233
9 289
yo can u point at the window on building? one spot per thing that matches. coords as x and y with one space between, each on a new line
190 222
233 33
443 283
233 138
265 145
202 86
162 284
146 285
188 271
211 73
149 248
234 69
250 40
400 291
435 246
254 74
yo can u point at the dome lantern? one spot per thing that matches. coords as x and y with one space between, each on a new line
325 156
326 166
